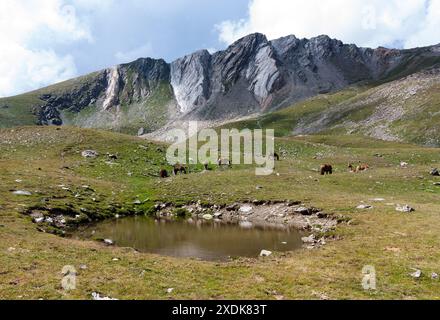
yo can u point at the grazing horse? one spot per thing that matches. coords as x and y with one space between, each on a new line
178 168
163 173
223 162
326 169
359 168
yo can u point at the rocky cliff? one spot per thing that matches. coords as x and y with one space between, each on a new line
252 76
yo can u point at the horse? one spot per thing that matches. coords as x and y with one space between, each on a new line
178 168
224 162
326 169
163 173
359 168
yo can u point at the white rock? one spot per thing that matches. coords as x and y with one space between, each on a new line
378 199
108 242
265 253
246 209
218 214
405 208
417 274
207 217
89 154
170 290
309 239
434 276
97 296
22 193
364 207
39 220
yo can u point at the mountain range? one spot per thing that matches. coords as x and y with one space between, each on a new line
300 86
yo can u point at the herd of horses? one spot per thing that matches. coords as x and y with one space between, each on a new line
325 169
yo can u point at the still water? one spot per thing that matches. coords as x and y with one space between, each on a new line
201 240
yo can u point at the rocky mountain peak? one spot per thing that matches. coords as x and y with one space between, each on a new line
252 75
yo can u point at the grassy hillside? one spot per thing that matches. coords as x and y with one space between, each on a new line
404 110
47 162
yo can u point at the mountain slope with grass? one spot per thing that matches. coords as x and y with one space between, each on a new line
406 110
253 76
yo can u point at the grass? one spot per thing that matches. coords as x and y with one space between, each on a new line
45 158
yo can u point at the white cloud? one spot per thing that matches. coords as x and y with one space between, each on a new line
364 22
144 51
28 30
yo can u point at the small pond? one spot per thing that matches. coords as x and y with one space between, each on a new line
204 240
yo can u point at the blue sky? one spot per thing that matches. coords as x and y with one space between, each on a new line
47 41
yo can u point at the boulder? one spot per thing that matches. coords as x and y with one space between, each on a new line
434 172
109 242
89 154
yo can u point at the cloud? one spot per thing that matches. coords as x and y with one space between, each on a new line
28 31
370 23
144 51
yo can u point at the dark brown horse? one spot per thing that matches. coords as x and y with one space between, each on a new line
326 169
163 173
178 168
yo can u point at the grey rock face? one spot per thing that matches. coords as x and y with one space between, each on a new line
190 80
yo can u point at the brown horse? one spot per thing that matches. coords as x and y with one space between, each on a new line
326 169
178 168
163 173
359 168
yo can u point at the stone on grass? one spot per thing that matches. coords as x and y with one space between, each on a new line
434 276
89 154
97 296
416 274
265 253
170 290
364 207
38 220
435 172
22 193
405 208
109 242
